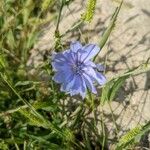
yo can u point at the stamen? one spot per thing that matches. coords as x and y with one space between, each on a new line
77 68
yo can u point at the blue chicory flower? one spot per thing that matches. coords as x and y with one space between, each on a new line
75 70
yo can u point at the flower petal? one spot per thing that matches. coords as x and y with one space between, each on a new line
95 75
65 56
90 51
68 54
101 77
75 46
77 83
100 67
63 76
89 83
58 57
58 78
90 64
83 89
79 87
67 85
61 66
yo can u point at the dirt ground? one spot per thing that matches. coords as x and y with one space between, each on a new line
127 47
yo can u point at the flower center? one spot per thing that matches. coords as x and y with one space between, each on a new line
77 68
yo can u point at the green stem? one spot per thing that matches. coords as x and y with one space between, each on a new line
109 29
114 121
59 15
90 99
75 26
103 130
58 44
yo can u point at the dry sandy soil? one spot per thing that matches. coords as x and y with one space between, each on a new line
128 46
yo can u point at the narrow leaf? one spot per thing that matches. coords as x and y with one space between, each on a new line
10 39
111 88
109 29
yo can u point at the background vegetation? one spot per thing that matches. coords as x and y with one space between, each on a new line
33 113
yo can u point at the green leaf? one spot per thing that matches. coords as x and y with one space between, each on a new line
45 140
2 61
10 39
145 129
32 37
109 29
45 105
1 21
111 88
23 83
